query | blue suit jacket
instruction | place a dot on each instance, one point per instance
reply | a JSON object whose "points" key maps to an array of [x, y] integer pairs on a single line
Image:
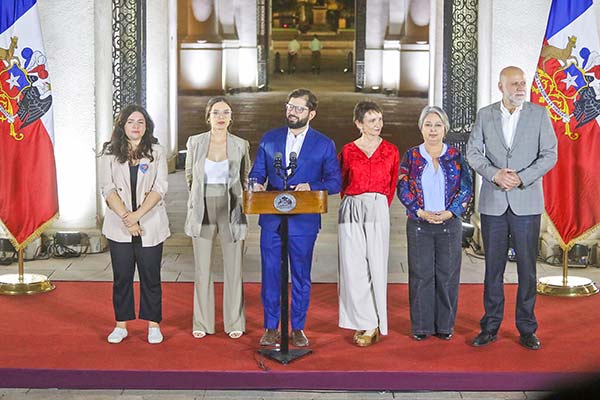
{"points": [[317, 165]]}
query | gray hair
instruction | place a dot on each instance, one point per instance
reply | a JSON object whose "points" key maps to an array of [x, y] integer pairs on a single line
{"points": [[434, 110]]}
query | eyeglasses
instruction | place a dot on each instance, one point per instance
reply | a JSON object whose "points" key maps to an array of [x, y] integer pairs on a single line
{"points": [[226, 113], [298, 109]]}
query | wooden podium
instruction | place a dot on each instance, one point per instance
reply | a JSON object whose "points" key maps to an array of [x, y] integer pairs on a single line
{"points": [[285, 203]]}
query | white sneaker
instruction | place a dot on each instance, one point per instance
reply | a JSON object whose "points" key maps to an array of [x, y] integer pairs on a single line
{"points": [[154, 335], [117, 335]]}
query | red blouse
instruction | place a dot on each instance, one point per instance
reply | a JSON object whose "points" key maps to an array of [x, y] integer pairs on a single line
{"points": [[375, 174]]}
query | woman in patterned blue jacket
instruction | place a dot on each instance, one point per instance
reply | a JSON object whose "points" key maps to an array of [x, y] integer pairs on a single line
{"points": [[435, 188]]}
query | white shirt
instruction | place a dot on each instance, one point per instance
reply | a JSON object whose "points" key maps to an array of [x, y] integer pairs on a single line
{"points": [[315, 45], [216, 171], [294, 143], [293, 46], [509, 122]]}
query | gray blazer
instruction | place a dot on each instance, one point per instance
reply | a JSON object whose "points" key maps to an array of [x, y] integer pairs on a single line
{"points": [[533, 153], [152, 177], [238, 154]]}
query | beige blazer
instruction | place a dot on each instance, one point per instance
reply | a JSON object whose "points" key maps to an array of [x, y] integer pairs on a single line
{"points": [[114, 177], [238, 154]]}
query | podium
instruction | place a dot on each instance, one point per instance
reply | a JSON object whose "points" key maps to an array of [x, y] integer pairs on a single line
{"points": [[285, 203]]}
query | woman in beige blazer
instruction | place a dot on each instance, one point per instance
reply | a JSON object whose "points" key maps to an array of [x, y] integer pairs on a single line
{"points": [[133, 180], [216, 168]]}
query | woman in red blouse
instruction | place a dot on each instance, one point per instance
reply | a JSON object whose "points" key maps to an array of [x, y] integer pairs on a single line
{"points": [[369, 175]]}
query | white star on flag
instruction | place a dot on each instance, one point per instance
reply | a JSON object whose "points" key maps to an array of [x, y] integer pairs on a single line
{"points": [[13, 81], [570, 80]]}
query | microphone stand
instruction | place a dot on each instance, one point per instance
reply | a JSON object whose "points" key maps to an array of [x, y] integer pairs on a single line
{"points": [[283, 354]]}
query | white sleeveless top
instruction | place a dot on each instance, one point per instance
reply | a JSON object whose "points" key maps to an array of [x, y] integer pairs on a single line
{"points": [[216, 171]]}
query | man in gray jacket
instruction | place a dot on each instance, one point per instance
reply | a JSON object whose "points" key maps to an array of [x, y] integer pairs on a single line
{"points": [[512, 146]]}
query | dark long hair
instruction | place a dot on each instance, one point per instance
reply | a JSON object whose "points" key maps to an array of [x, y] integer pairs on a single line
{"points": [[118, 145]]}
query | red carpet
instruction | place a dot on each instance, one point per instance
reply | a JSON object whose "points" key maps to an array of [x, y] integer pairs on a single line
{"points": [[59, 340]]}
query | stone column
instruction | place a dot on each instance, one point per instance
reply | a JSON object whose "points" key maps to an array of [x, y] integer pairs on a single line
{"points": [[377, 19], [160, 17], [74, 64]]}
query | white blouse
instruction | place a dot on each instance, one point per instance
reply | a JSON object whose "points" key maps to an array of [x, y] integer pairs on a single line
{"points": [[216, 172]]}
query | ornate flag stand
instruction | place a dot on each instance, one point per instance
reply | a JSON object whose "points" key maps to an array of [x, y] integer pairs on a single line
{"points": [[567, 83], [565, 285], [21, 283], [28, 188]]}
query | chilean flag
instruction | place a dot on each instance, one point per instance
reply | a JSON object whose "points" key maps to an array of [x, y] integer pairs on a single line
{"points": [[567, 83], [28, 192]]}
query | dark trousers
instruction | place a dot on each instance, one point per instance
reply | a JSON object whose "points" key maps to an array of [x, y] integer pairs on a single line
{"points": [[525, 232], [434, 258], [300, 252], [124, 257], [315, 61], [292, 62]]}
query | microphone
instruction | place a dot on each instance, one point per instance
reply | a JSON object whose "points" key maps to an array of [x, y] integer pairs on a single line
{"points": [[277, 162], [293, 163]]}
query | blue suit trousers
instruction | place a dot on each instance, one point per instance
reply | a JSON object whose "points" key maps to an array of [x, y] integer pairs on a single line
{"points": [[300, 252]]}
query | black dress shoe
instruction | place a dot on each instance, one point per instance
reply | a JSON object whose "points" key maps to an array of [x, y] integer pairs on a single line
{"points": [[530, 341], [443, 336], [419, 336], [484, 338]]}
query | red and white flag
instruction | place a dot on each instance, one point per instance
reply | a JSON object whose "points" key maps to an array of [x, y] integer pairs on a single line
{"points": [[567, 83], [28, 193]]}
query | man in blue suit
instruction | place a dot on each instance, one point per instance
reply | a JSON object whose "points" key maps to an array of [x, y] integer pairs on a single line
{"points": [[317, 169]]}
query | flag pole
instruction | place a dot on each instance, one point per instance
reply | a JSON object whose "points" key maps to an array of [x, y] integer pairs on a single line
{"points": [[22, 283], [565, 286]]}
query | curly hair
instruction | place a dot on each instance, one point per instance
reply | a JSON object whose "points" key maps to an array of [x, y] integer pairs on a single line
{"points": [[118, 145]]}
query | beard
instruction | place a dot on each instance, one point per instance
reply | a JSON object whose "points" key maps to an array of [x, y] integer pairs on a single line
{"points": [[516, 100], [299, 122]]}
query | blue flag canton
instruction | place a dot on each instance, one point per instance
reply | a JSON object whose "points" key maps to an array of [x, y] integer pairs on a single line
{"points": [[11, 11], [563, 12]]}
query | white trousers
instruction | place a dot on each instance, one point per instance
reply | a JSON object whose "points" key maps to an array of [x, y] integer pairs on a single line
{"points": [[363, 242]]}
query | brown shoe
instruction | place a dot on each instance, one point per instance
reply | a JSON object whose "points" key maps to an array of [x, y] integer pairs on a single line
{"points": [[299, 339], [271, 337]]}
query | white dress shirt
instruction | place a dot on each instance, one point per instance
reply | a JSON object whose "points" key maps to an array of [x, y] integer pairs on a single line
{"points": [[509, 123], [294, 143]]}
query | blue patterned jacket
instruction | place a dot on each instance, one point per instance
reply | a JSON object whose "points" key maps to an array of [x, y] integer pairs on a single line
{"points": [[457, 177]]}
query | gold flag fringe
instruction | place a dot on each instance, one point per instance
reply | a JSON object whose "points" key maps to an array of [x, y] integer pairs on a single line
{"points": [[37, 233], [567, 246]]}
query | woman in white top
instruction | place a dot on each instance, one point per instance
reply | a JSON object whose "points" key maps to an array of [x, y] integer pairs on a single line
{"points": [[216, 167]]}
